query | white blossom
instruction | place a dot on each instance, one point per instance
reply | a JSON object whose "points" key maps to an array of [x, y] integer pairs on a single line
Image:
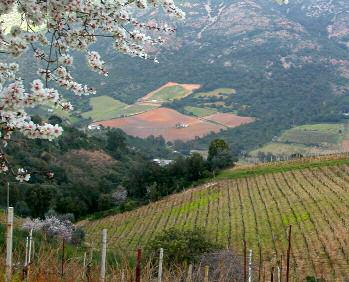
{"points": [[22, 175], [51, 226]]}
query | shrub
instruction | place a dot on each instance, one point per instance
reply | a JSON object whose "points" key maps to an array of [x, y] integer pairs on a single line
{"points": [[181, 246]]}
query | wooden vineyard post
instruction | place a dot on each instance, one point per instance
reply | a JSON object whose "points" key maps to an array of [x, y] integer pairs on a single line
{"points": [[24, 271], [250, 267], [272, 274], [161, 257], [84, 266], [206, 273], [260, 263], [190, 273], [288, 254], [281, 268], [138, 266], [245, 262], [9, 234], [279, 274], [88, 266], [62, 260], [103, 255], [26, 255], [263, 273], [30, 252]]}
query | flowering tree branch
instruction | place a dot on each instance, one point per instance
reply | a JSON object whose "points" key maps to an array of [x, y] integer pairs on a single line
{"points": [[52, 29]]}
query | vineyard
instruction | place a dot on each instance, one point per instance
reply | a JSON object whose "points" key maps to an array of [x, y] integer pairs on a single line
{"points": [[258, 209]]}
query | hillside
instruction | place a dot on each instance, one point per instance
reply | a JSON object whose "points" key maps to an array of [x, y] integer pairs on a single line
{"points": [[256, 204], [288, 66]]}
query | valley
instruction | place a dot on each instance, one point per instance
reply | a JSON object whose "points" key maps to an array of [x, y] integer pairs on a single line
{"points": [[149, 117]]}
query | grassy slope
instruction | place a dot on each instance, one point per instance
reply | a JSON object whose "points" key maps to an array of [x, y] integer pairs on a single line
{"points": [[282, 167], [256, 204], [170, 93], [104, 107], [314, 134], [136, 109], [312, 138], [200, 112], [216, 92]]}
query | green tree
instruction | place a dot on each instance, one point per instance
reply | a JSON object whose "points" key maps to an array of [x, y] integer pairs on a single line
{"points": [[195, 167], [38, 199], [216, 147], [219, 155], [116, 140]]}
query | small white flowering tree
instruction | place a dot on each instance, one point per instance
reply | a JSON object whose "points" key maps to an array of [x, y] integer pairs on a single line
{"points": [[51, 226], [51, 30]]}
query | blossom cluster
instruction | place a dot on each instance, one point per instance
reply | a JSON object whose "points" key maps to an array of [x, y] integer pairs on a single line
{"points": [[52, 30], [51, 226]]}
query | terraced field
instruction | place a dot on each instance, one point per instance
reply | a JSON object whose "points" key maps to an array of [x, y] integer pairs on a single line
{"points": [[312, 197]]}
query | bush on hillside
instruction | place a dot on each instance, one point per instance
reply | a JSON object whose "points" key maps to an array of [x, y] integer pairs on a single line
{"points": [[181, 246]]}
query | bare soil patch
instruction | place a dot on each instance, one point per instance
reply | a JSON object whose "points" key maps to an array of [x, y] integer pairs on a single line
{"points": [[164, 121]]}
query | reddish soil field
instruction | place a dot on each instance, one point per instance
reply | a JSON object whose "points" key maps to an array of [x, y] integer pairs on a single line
{"points": [[229, 120], [162, 121]]}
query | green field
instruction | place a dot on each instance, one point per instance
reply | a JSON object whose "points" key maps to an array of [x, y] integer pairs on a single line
{"points": [[306, 139], [315, 134], [199, 112], [103, 108], [170, 93], [223, 92], [311, 195], [135, 109]]}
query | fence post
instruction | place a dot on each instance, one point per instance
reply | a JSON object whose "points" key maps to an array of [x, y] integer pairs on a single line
{"points": [[33, 249], [206, 273], [138, 266], [25, 265], [160, 264], [123, 276], [250, 267], [260, 263], [26, 251], [9, 234], [62, 261], [245, 262], [28, 255], [279, 274], [281, 268], [272, 274], [288, 254], [30, 246], [103, 255], [190, 273]]}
